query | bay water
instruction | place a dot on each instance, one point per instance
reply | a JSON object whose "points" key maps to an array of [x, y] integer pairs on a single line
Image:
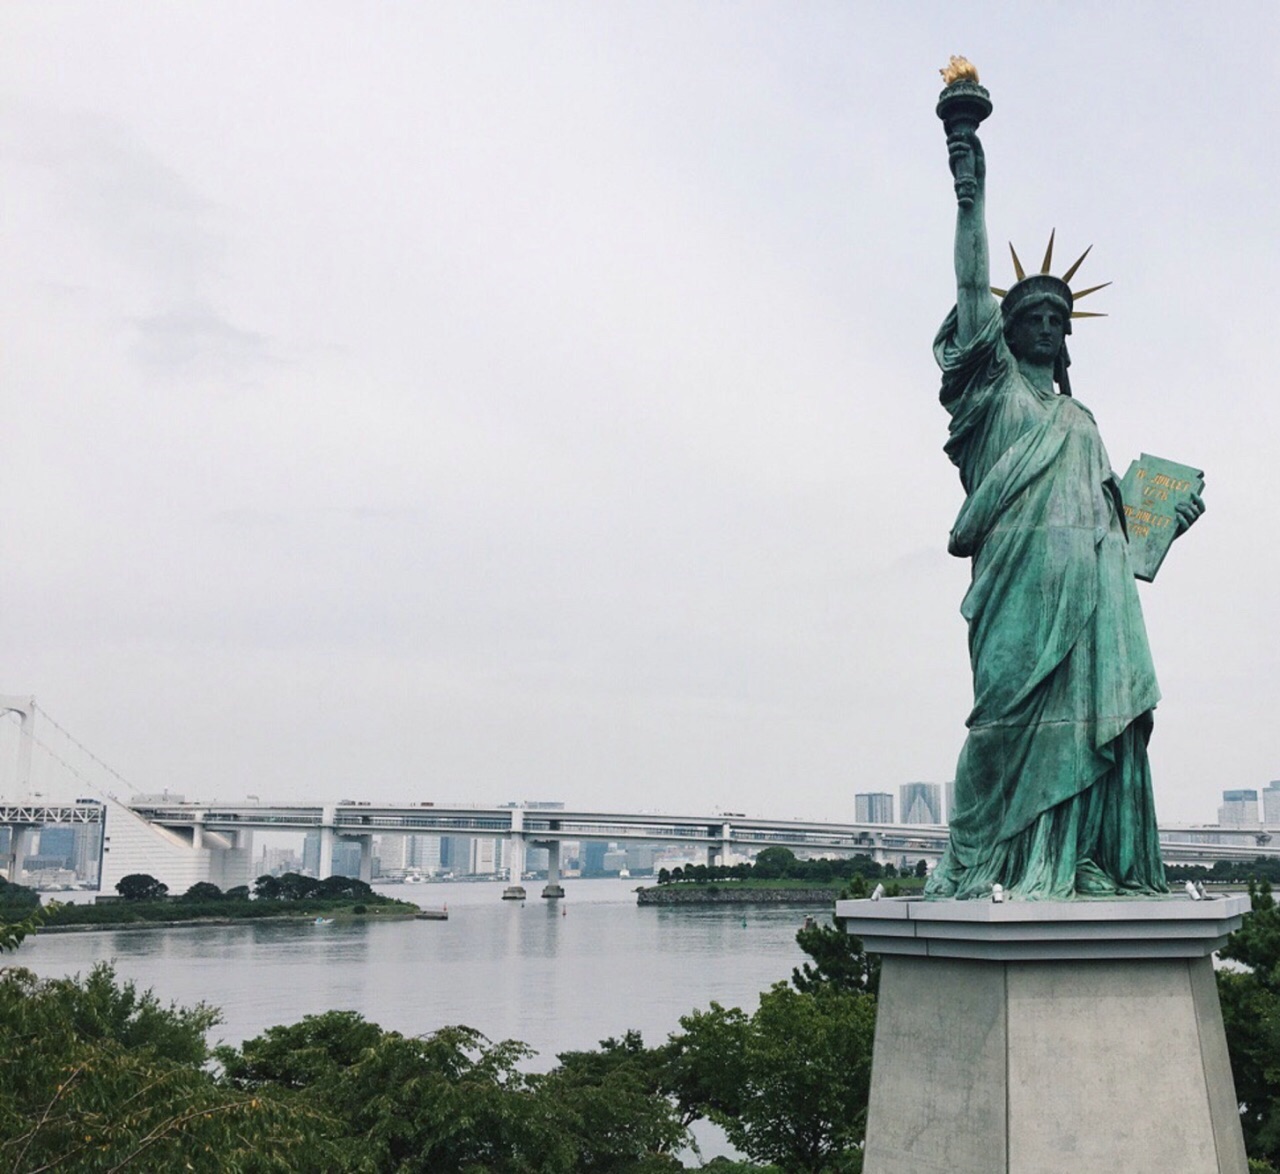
{"points": [[559, 975]]}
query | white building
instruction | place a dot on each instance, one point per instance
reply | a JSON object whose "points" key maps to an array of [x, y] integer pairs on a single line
{"points": [[177, 858], [921, 803], [1239, 809], [1271, 804]]}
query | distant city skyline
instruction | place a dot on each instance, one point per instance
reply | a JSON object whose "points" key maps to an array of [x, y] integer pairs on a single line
{"points": [[461, 401]]}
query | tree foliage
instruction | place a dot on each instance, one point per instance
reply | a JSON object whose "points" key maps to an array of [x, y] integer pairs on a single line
{"points": [[839, 960], [97, 1077], [778, 863], [456, 1101], [293, 886], [1251, 1016], [138, 886], [789, 1084], [20, 914]]}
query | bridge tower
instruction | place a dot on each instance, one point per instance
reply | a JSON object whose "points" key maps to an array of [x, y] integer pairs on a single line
{"points": [[25, 708], [20, 834]]}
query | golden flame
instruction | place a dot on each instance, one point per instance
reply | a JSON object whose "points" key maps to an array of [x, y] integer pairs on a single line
{"points": [[959, 69]]}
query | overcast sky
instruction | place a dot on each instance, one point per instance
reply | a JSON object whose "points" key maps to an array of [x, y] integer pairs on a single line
{"points": [[499, 401]]}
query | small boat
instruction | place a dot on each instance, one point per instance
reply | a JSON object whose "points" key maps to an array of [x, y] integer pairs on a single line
{"points": [[324, 921], [432, 914]]}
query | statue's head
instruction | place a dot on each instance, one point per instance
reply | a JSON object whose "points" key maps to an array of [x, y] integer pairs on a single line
{"points": [[1037, 329], [1037, 311], [1037, 322], [1038, 296]]}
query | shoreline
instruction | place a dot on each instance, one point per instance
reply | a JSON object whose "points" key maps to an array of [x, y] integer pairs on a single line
{"points": [[727, 895], [330, 915]]}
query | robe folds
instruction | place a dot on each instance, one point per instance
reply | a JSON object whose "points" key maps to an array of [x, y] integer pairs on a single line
{"points": [[1053, 788]]}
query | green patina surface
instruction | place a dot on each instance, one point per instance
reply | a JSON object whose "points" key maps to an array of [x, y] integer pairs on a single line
{"points": [[1053, 787]]}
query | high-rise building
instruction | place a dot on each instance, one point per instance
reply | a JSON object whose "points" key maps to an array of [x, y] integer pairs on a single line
{"points": [[390, 851], [455, 855], [921, 803], [591, 857], [486, 855], [536, 859], [615, 860], [873, 807], [640, 858], [86, 856], [1271, 804], [57, 842], [276, 861], [950, 790], [311, 853], [346, 858], [1239, 809], [425, 853]]}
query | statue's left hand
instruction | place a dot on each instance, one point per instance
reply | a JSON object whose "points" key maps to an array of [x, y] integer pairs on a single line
{"points": [[1188, 511]]}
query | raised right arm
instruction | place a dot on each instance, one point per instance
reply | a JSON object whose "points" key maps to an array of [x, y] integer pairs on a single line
{"points": [[974, 302]]}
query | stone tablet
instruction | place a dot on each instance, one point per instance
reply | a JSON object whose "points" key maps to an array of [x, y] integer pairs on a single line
{"points": [[1151, 490]]}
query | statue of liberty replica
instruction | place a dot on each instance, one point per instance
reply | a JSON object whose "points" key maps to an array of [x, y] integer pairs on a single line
{"points": [[1053, 789], [1075, 1026]]}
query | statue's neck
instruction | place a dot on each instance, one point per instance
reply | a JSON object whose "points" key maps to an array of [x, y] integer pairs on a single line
{"points": [[1039, 375]]}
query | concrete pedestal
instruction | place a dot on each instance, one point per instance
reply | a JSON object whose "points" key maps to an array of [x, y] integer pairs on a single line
{"points": [[553, 892], [1046, 1037], [514, 893]]}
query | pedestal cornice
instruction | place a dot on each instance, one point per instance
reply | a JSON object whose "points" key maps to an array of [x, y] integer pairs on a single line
{"points": [[1037, 931]]}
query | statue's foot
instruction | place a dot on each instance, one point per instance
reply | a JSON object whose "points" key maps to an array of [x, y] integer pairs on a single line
{"points": [[1091, 881]]}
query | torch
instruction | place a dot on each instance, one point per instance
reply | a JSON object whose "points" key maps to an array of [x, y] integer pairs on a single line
{"points": [[962, 106]]}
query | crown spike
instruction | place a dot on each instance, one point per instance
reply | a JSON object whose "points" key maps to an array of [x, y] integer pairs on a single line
{"points": [[1084, 293], [1017, 265], [1086, 314], [1070, 273], [1048, 253], [999, 292]]}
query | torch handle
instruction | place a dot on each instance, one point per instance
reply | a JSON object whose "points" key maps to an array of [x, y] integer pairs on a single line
{"points": [[962, 107], [965, 168]]}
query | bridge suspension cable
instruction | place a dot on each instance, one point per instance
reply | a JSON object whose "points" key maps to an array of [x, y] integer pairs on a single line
{"points": [[115, 774]]}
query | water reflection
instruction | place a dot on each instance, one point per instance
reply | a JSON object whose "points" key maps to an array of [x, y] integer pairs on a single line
{"points": [[558, 977]]}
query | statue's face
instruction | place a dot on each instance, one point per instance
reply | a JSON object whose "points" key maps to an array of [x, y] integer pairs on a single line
{"points": [[1037, 332]]}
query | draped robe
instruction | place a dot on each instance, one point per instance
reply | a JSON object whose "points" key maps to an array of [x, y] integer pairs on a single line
{"points": [[1053, 787]]}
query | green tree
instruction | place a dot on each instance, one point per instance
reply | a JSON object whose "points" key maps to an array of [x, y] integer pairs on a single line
{"points": [[455, 1101], [203, 891], [267, 888], [790, 1084], [1251, 1015], [20, 914], [14, 933], [300, 1055], [922, 868], [338, 887], [704, 1063], [615, 1101], [839, 960], [775, 863], [97, 1077], [138, 886]]}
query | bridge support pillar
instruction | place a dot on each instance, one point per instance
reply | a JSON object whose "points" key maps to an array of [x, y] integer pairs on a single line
{"points": [[553, 887], [197, 830], [366, 858], [324, 868], [515, 868], [19, 850]]}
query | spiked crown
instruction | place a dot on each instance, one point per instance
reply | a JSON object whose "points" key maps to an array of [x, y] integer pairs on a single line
{"points": [[1038, 287]]}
